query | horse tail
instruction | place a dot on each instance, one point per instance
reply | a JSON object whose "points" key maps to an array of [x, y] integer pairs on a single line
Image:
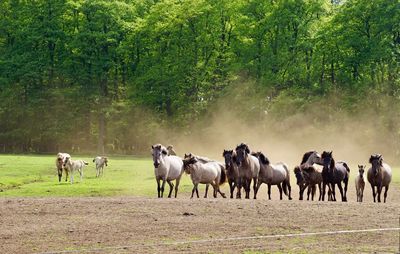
{"points": [[93, 160], [286, 182], [347, 167], [285, 187], [222, 179]]}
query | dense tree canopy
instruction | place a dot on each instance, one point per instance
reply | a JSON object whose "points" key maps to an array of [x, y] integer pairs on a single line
{"points": [[101, 74]]}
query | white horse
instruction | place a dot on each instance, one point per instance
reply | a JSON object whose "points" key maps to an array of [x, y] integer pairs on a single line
{"points": [[205, 172], [100, 162], [166, 169], [72, 166], [273, 174], [60, 160]]}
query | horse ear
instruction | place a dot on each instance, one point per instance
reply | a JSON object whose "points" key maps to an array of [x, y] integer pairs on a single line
{"points": [[152, 147], [247, 149], [331, 153]]}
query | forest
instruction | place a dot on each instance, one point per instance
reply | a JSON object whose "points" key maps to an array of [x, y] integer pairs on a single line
{"points": [[107, 75]]}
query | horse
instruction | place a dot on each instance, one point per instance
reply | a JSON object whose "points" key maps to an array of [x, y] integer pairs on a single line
{"points": [[72, 166], [167, 168], [248, 167], [333, 174], [100, 162], [60, 160], [308, 176], [270, 174], [232, 171], [360, 183], [379, 175], [211, 172], [171, 150]]}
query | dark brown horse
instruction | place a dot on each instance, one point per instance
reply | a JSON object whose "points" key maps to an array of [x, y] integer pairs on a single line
{"points": [[379, 175], [249, 168], [333, 174], [232, 171]]}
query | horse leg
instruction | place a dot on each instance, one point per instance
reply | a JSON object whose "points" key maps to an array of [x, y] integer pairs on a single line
{"points": [[231, 187], [247, 188], [176, 186], [289, 188], [333, 192], [373, 192], [269, 191], [323, 191], [341, 192], [59, 174], [193, 190], [379, 192], [205, 194], [66, 174], [171, 187], [197, 190], [308, 192], [258, 185], [280, 191], [162, 187], [320, 191], [346, 182], [301, 190], [239, 188], [255, 182], [81, 173], [72, 177], [385, 195], [158, 188]]}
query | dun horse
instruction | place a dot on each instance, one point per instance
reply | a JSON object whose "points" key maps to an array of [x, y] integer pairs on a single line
{"points": [[249, 168], [167, 168], [232, 171], [211, 172], [308, 176], [360, 183], [270, 174], [333, 174], [379, 175]]}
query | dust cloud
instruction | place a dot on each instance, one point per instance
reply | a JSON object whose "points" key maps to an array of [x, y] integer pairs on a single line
{"points": [[352, 137]]}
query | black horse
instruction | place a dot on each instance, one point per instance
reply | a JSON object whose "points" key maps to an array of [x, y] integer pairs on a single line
{"points": [[334, 173]]}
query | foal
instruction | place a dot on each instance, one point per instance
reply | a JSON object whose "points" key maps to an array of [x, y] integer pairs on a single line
{"points": [[360, 183]]}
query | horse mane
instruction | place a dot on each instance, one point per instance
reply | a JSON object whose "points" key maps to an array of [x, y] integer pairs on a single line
{"points": [[296, 170], [263, 158], [306, 156], [244, 147]]}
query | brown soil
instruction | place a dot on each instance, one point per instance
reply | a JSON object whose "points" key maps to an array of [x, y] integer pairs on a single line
{"points": [[150, 225]]}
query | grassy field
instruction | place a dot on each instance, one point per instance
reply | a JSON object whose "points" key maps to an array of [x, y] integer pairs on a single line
{"points": [[34, 175]]}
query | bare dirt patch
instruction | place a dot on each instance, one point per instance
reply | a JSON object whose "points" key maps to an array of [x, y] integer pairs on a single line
{"points": [[150, 225]]}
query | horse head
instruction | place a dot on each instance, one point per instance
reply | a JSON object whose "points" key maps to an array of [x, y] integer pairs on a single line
{"points": [[299, 175], [327, 160], [188, 160], [105, 161], [377, 162], [228, 156], [242, 151], [361, 169], [158, 151]]}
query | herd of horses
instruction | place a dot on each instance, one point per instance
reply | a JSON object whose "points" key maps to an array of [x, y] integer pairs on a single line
{"points": [[64, 163], [242, 167]]}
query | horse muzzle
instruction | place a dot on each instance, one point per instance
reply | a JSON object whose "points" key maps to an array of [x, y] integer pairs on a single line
{"points": [[156, 164]]}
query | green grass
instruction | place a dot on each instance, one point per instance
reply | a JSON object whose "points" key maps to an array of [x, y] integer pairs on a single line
{"points": [[31, 175]]}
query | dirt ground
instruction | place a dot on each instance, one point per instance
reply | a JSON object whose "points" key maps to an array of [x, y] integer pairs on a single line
{"points": [[151, 225]]}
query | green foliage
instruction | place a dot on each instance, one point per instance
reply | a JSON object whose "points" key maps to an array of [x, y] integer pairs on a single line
{"points": [[112, 72]]}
